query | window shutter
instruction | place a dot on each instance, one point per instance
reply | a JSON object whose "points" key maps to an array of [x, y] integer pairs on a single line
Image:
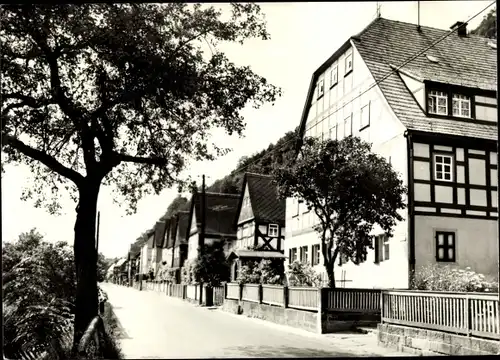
{"points": [[377, 250]]}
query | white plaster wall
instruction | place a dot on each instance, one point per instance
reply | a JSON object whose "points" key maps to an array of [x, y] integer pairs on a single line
{"points": [[386, 134], [476, 242]]}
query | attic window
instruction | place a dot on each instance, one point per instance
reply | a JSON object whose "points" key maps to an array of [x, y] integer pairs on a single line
{"points": [[432, 58], [321, 88]]}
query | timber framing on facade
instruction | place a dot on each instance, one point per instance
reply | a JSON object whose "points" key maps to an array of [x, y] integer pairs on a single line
{"points": [[435, 120]]}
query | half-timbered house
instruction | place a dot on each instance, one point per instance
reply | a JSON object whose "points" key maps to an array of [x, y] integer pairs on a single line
{"points": [[260, 223], [157, 251], [426, 100]]}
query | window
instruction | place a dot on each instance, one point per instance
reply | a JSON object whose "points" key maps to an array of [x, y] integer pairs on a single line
{"points": [[334, 76], [445, 246], [381, 248], [348, 64], [246, 201], [316, 254], [365, 117], [272, 230], [438, 102], [321, 88], [442, 167], [292, 254], [333, 132], [461, 106], [303, 254], [348, 126]]}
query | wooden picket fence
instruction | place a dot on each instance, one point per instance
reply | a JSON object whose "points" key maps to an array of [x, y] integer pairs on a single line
{"points": [[470, 314]]}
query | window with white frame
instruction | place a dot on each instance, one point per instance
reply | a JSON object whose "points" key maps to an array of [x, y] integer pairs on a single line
{"points": [[445, 246], [348, 64], [437, 102], [443, 167], [348, 126], [321, 88], [334, 76], [365, 117], [461, 105], [292, 256], [272, 230]]}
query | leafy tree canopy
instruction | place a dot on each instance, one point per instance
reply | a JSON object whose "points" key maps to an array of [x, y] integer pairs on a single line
{"points": [[488, 26], [211, 266], [350, 189]]}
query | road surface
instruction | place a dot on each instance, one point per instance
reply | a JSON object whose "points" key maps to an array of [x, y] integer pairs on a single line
{"points": [[158, 326]]}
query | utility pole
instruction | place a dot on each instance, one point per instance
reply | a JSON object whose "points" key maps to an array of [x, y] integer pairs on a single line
{"points": [[97, 232], [418, 15], [203, 212]]}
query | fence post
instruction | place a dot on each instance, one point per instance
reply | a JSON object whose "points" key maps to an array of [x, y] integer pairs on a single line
{"points": [[184, 290], [225, 290], [241, 292], [382, 307], [261, 292], [321, 320], [285, 296], [468, 314], [200, 295]]}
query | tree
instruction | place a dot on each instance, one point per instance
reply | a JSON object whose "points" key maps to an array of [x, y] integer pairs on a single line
{"points": [[488, 26], [350, 189], [86, 101], [178, 204], [211, 266]]}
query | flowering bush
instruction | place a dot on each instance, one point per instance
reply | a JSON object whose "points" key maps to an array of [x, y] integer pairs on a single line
{"points": [[187, 273], [446, 278], [264, 272], [300, 274]]}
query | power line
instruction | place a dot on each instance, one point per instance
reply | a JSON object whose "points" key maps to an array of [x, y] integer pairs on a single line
{"points": [[385, 77]]}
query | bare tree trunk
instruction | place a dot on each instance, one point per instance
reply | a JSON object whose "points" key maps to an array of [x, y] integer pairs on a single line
{"points": [[331, 274], [85, 259]]}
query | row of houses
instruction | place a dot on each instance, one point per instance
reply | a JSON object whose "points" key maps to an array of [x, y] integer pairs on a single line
{"points": [[433, 118]]}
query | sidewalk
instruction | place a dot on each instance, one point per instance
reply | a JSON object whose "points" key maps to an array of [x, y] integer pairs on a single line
{"points": [[359, 344]]}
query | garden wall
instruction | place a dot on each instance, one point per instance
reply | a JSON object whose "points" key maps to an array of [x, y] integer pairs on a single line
{"points": [[429, 342]]}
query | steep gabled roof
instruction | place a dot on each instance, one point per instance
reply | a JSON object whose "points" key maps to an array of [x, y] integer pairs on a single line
{"points": [[266, 205], [182, 227], [462, 60], [385, 45], [221, 212], [166, 235], [159, 234]]}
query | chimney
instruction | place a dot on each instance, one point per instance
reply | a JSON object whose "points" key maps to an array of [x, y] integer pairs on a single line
{"points": [[462, 28]]}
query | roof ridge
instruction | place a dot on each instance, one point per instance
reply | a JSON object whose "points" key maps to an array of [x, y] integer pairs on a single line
{"points": [[259, 175], [219, 194]]}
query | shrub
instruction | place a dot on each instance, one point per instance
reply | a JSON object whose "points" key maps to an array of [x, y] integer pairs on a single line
{"points": [[437, 277], [300, 274], [187, 273], [262, 272], [211, 266]]}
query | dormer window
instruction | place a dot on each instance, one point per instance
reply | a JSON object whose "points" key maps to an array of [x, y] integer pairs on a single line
{"points": [[438, 102], [321, 88], [461, 106]]}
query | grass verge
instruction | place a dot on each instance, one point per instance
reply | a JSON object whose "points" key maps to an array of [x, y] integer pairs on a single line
{"points": [[114, 332]]}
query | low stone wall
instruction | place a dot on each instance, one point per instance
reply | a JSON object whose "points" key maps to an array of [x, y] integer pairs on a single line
{"points": [[430, 342], [306, 320]]}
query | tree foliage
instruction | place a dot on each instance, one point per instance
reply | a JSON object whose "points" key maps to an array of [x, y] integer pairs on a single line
{"points": [[211, 266], [39, 286], [85, 101], [488, 26], [350, 189]]}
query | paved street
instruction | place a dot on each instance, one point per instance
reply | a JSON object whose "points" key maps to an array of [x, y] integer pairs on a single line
{"points": [[158, 326]]}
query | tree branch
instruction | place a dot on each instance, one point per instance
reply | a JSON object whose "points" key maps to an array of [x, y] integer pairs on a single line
{"points": [[42, 157], [143, 160]]}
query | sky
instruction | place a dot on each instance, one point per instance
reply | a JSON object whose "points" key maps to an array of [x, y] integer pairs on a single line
{"points": [[303, 36]]}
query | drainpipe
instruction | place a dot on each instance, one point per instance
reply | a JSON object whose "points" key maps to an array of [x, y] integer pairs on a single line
{"points": [[411, 217]]}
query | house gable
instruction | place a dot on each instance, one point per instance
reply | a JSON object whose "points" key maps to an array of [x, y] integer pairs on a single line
{"points": [[246, 212]]}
